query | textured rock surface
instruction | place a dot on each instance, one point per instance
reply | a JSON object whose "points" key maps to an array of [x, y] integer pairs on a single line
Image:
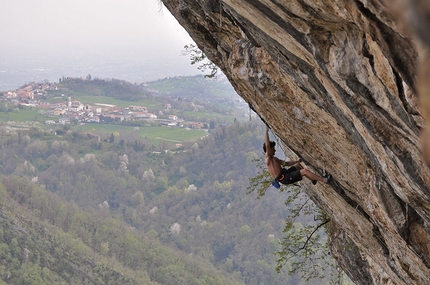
{"points": [[336, 81]]}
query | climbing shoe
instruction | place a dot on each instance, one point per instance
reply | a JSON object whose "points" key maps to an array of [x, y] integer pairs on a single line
{"points": [[314, 182], [328, 179]]}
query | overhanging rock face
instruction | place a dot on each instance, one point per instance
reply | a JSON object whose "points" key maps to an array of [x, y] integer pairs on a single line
{"points": [[336, 81]]}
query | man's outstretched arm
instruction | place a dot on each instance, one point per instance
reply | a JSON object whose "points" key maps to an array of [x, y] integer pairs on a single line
{"points": [[267, 139], [288, 163]]}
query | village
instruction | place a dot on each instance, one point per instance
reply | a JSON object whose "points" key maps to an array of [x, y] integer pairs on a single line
{"points": [[69, 110]]}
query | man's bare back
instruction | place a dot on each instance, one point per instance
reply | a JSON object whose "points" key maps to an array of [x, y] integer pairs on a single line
{"points": [[273, 165]]}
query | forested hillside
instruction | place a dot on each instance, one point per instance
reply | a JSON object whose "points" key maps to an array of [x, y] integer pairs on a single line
{"points": [[116, 88], [46, 241], [78, 211], [196, 87]]}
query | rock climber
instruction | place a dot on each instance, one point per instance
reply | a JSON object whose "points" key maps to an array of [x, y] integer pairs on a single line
{"points": [[286, 176]]}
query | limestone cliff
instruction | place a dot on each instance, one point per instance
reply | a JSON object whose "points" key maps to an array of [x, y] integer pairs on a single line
{"points": [[336, 81]]}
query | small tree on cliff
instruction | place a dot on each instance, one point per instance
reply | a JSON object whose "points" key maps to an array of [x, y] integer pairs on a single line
{"points": [[198, 57]]}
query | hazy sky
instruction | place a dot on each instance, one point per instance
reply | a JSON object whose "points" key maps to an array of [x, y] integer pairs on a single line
{"points": [[133, 40]]}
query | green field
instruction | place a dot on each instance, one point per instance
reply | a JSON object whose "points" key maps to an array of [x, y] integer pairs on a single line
{"points": [[155, 135], [24, 115], [151, 104], [148, 103], [208, 116]]}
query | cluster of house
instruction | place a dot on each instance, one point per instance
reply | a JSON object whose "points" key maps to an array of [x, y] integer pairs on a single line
{"points": [[29, 92], [77, 111]]}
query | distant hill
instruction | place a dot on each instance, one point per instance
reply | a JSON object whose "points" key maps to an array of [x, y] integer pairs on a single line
{"points": [[195, 87], [116, 88], [191, 87]]}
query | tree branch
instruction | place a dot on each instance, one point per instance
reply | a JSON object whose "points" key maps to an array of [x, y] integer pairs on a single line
{"points": [[307, 240]]}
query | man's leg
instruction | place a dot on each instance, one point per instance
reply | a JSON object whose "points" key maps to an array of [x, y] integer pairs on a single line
{"points": [[298, 166], [309, 175]]}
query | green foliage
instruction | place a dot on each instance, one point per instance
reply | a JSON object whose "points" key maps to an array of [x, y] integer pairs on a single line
{"points": [[304, 249], [198, 57], [91, 247], [305, 244], [260, 182], [6, 107]]}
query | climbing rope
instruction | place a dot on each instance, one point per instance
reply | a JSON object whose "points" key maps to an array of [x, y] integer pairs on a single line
{"points": [[347, 171], [280, 145], [220, 13], [406, 224]]}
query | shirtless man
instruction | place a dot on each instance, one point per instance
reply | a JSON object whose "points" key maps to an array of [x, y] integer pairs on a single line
{"points": [[286, 176]]}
